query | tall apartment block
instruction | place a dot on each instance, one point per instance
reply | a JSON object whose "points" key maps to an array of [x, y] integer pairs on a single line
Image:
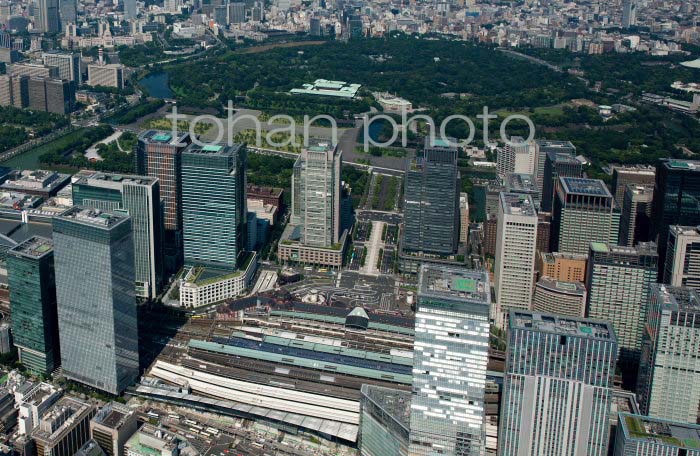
{"points": [[140, 197], [68, 64], [641, 175], [30, 271], [431, 202], [106, 75], [64, 428], [668, 384], [677, 186], [542, 148], [112, 426], [384, 421], [14, 91], [584, 212], [94, 258], [618, 281], [567, 299], [682, 263], [518, 157], [558, 386], [449, 370], [556, 165], [214, 204], [635, 220], [639, 435], [516, 247], [159, 154]]}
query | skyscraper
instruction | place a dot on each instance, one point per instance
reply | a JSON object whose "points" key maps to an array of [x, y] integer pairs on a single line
{"points": [[236, 12], [682, 263], [668, 383], [518, 157], [30, 272], [68, 64], [557, 387], [129, 9], [159, 154], [516, 247], [384, 420], [449, 369], [140, 197], [316, 195], [68, 12], [542, 148], [635, 220], [431, 201], [629, 13], [676, 195], [618, 282], [47, 17], [637, 175], [214, 204], [94, 257], [556, 165], [584, 212]]}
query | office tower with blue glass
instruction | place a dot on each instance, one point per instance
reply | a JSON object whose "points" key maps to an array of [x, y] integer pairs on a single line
{"points": [[431, 201], [676, 195], [668, 383], [30, 275], [139, 196], [94, 259], [214, 205], [584, 212], [449, 364], [618, 280], [557, 387], [384, 421]]}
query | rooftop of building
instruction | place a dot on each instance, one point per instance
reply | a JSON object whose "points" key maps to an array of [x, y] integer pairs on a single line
{"points": [[555, 143], [394, 402], [551, 257], [567, 326], [647, 170], [18, 201], [218, 150], [258, 190], [112, 415], [562, 287], [521, 182], [454, 283], [164, 137], [110, 180], [59, 419], [585, 187], [642, 248], [640, 190], [34, 247], [93, 217], [36, 180], [680, 165], [144, 440], [680, 435], [517, 204], [562, 157], [677, 298], [685, 230], [439, 143]]}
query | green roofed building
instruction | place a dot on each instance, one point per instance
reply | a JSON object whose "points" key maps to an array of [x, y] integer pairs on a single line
{"points": [[30, 270], [646, 436]]}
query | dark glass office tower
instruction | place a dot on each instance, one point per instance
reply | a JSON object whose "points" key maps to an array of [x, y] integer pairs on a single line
{"points": [[32, 284], [556, 165], [431, 201], [676, 198]]}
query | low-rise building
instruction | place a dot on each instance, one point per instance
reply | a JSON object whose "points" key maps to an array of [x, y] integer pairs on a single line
{"points": [[646, 436], [64, 429], [560, 298], [200, 286], [37, 182]]}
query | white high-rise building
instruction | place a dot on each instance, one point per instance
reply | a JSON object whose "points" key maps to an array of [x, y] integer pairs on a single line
{"points": [[682, 262], [450, 357], [518, 158], [516, 246], [668, 384], [557, 389]]}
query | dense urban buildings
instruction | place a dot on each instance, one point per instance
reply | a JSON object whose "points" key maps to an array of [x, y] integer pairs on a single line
{"points": [[31, 278], [431, 201], [668, 382], [516, 242], [544, 147], [517, 157], [584, 212], [98, 330], [450, 357], [112, 426], [558, 383], [140, 197], [635, 220], [562, 266], [553, 296], [682, 263], [618, 281], [630, 175], [556, 165]]}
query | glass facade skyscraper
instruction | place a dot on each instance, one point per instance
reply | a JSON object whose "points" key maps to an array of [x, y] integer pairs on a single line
{"points": [[214, 204], [449, 364], [30, 271], [558, 385], [431, 201], [384, 421], [94, 257], [140, 197], [676, 198]]}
